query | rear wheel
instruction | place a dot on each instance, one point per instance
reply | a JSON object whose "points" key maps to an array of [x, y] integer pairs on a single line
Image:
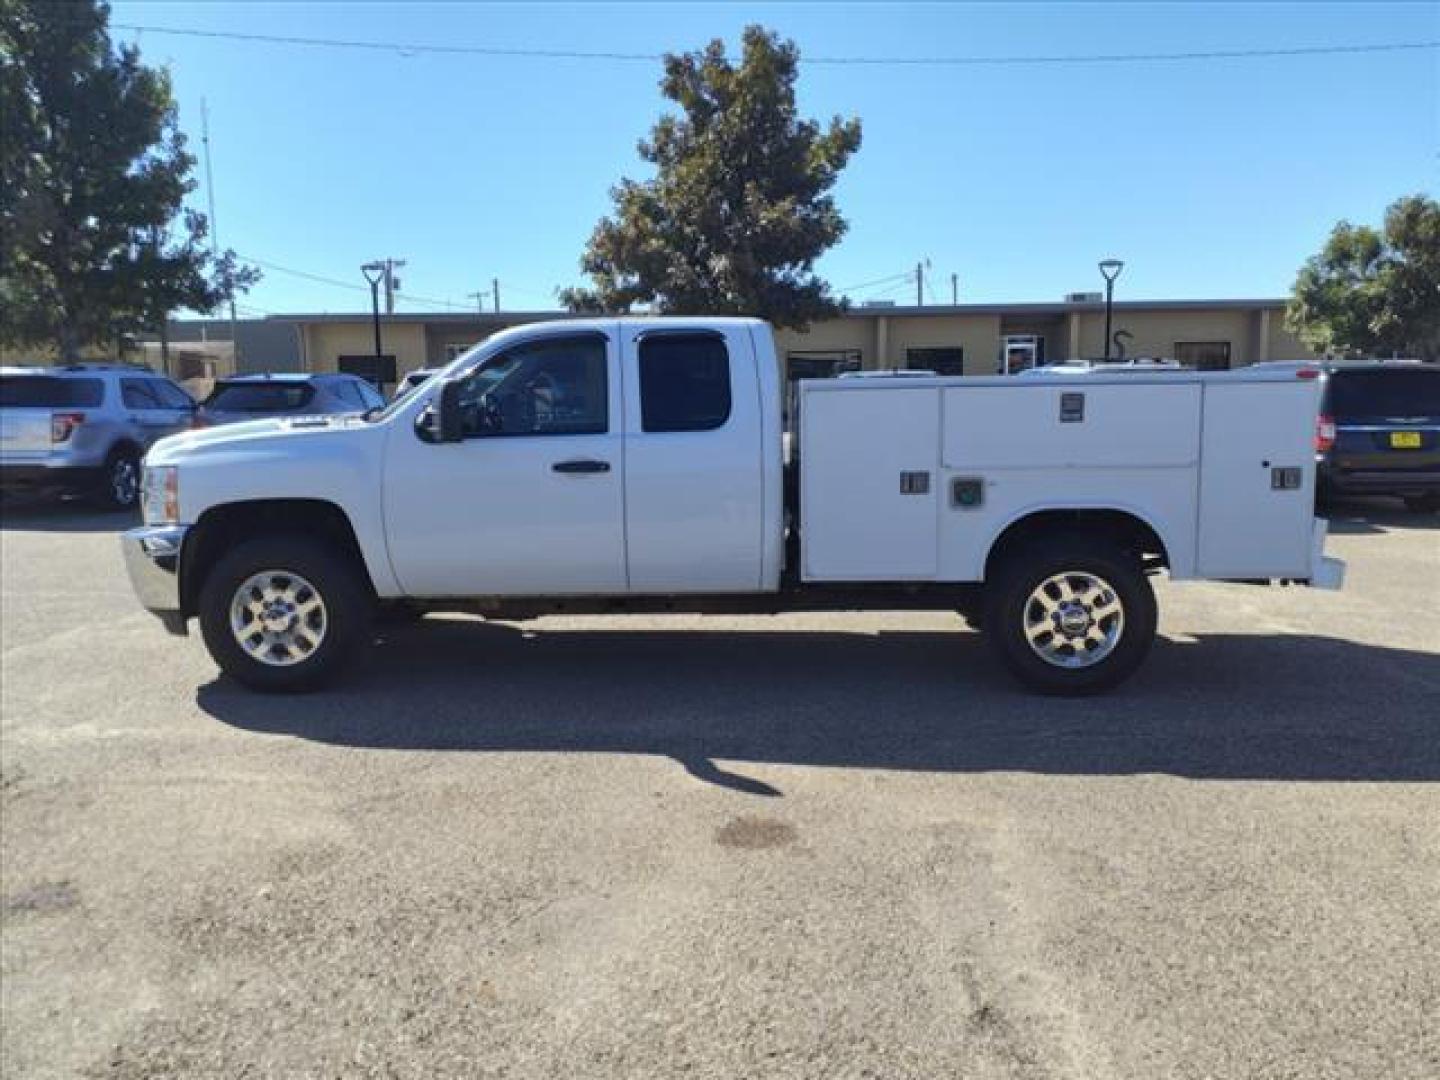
{"points": [[1071, 617], [282, 613], [120, 486], [1422, 504]]}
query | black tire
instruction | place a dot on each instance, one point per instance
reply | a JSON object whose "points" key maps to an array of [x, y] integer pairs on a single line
{"points": [[971, 610], [1422, 504], [1010, 601], [120, 486], [348, 609]]}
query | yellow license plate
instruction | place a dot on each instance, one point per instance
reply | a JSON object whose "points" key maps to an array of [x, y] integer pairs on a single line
{"points": [[1405, 440]]}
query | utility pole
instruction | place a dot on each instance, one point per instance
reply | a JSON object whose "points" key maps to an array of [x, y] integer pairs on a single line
{"points": [[392, 283], [479, 300], [919, 284], [214, 229], [495, 290], [954, 290]]}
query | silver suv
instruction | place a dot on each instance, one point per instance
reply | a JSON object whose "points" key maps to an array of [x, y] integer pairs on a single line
{"points": [[83, 429]]}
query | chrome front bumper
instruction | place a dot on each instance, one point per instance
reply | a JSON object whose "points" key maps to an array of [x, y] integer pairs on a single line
{"points": [[152, 559]]}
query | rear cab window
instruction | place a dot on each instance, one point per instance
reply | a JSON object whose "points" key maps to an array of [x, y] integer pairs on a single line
{"points": [[1383, 393], [50, 392], [260, 397], [684, 382]]}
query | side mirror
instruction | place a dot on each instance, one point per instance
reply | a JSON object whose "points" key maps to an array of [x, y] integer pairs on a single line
{"points": [[439, 421], [452, 428]]}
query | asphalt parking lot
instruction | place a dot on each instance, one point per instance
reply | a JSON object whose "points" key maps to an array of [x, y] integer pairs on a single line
{"points": [[830, 846]]}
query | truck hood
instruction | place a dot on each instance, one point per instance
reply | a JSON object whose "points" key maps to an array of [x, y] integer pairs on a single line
{"points": [[272, 433]]}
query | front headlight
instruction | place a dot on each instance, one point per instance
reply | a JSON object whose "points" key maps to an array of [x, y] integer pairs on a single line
{"points": [[160, 495]]}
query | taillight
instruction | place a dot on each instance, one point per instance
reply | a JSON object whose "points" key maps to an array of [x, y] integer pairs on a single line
{"points": [[1324, 433], [63, 425]]}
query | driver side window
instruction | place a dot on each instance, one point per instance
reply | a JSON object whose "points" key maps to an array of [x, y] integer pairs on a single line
{"points": [[555, 386]]}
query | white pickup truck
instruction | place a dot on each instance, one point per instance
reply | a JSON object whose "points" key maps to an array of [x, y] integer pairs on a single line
{"points": [[641, 465]]}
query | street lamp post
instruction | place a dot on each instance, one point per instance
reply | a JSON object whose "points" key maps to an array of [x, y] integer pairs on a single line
{"points": [[375, 273], [1110, 270]]}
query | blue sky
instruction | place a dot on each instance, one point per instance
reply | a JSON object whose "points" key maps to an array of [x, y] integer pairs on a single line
{"points": [[1211, 179]]}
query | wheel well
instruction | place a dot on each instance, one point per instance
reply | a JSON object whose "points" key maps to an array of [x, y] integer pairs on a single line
{"points": [[222, 527], [1117, 526], [125, 446]]}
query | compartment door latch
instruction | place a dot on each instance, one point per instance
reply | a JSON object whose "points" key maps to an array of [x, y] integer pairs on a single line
{"points": [[1285, 478], [914, 483]]}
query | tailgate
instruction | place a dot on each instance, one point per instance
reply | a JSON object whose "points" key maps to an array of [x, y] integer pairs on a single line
{"points": [[24, 434], [1389, 444]]}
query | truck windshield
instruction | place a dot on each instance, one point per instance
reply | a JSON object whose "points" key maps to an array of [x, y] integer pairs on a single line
{"points": [[48, 392], [260, 397]]}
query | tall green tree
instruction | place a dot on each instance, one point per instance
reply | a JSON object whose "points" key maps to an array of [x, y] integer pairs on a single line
{"points": [[95, 241], [1374, 291], [739, 207]]}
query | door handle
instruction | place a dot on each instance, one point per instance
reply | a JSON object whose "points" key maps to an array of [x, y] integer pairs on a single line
{"points": [[582, 465]]}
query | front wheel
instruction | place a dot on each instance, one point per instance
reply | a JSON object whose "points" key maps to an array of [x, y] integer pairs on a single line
{"points": [[1071, 617], [284, 614], [120, 485]]}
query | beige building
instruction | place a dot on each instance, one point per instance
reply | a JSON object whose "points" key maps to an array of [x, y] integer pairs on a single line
{"points": [[969, 339]]}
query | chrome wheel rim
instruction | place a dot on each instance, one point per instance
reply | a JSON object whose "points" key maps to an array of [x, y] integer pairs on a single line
{"points": [[125, 481], [278, 618], [1074, 619]]}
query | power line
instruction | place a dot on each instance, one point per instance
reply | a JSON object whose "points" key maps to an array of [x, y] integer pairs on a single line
{"points": [[323, 280], [871, 61], [907, 275], [305, 274], [892, 290]]}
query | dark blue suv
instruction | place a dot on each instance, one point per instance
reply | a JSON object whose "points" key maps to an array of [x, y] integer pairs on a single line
{"points": [[1379, 432]]}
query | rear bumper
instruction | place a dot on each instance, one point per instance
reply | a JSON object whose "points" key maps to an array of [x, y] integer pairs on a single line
{"points": [[1339, 481], [1326, 572], [152, 559]]}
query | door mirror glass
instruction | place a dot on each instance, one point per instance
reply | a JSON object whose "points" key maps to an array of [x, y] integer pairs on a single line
{"points": [[439, 421]]}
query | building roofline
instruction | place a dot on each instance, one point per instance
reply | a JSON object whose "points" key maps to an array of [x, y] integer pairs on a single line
{"points": [[1062, 307], [858, 311]]}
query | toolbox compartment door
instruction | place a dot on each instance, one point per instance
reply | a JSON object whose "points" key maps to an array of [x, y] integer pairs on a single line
{"points": [[1254, 521], [1075, 424], [869, 483]]}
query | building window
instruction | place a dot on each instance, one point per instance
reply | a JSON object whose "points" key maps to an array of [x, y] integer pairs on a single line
{"points": [[684, 382], [378, 370], [941, 360], [1203, 355], [455, 348], [816, 364]]}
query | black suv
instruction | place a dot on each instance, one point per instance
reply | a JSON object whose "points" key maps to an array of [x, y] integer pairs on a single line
{"points": [[1379, 432]]}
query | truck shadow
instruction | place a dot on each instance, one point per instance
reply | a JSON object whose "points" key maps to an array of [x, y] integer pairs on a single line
{"points": [[1352, 516], [22, 514], [1225, 707]]}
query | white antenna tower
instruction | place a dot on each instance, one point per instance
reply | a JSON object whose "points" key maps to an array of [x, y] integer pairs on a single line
{"points": [[214, 230]]}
